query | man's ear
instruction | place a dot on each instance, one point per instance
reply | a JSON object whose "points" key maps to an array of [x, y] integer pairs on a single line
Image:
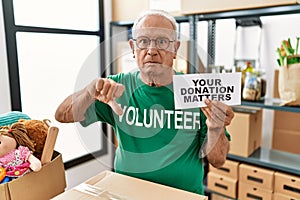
{"points": [[131, 43], [176, 47]]}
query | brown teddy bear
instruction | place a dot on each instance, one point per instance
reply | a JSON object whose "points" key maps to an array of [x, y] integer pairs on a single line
{"points": [[37, 131]]}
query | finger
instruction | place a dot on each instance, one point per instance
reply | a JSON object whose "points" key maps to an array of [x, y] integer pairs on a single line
{"points": [[230, 113], [105, 88], [99, 84], [218, 106], [115, 107], [215, 116], [214, 106], [227, 122], [218, 118], [111, 91], [229, 116], [119, 90], [206, 112], [116, 90], [208, 103]]}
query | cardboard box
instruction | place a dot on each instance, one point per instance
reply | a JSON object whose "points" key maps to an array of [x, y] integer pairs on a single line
{"points": [[203, 6], [128, 10], [286, 140], [222, 184], [215, 196], [288, 121], [248, 191], [287, 184], [109, 184], [246, 132], [256, 176], [278, 196], [286, 130], [42, 185], [229, 169], [276, 89]]}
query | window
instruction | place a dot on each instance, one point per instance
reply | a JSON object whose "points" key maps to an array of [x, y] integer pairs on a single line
{"points": [[54, 49]]}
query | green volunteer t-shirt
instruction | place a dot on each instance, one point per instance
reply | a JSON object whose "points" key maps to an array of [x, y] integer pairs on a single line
{"points": [[155, 141]]}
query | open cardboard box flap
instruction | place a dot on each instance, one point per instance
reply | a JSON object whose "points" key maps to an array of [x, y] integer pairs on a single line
{"points": [[125, 188]]}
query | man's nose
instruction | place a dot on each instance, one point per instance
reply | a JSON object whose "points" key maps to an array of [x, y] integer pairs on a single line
{"points": [[152, 44], [152, 49]]}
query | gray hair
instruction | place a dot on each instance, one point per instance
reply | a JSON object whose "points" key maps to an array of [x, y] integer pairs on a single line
{"points": [[147, 13]]}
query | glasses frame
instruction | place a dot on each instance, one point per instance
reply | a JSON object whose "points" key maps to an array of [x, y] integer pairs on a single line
{"points": [[155, 40]]}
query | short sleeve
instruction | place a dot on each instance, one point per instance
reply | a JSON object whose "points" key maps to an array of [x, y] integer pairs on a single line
{"points": [[98, 111]]}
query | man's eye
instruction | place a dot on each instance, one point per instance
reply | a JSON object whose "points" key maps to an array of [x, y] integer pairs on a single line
{"points": [[162, 41], [143, 41]]}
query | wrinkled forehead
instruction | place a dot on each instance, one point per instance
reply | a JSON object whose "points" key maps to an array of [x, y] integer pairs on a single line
{"points": [[154, 32]]}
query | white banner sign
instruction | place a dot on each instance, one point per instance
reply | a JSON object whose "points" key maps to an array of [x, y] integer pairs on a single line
{"points": [[191, 90]]}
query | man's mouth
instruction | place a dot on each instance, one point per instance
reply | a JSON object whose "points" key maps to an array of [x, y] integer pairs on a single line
{"points": [[152, 63]]}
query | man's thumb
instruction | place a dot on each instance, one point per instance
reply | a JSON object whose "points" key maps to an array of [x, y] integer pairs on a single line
{"points": [[115, 107]]}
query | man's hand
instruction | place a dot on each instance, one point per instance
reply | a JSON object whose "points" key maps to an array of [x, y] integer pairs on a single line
{"points": [[218, 114], [107, 91]]}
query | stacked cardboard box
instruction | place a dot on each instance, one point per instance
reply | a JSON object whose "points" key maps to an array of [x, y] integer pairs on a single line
{"points": [[286, 130], [246, 131], [223, 180], [255, 182], [286, 187], [265, 184], [242, 181]]}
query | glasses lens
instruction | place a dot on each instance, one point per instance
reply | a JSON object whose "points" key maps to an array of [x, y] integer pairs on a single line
{"points": [[142, 42], [162, 43]]}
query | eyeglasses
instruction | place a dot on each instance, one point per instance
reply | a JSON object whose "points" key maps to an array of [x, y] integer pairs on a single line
{"points": [[143, 42]]}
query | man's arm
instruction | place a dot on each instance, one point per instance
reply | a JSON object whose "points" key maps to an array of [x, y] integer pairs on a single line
{"points": [[218, 116], [73, 108], [217, 148]]}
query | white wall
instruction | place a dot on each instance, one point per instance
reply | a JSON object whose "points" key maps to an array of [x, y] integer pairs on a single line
{"points": [[4, 84]]}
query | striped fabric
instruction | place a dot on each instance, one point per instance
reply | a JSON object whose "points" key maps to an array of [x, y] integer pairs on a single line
{"points": [[9, 118]]}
